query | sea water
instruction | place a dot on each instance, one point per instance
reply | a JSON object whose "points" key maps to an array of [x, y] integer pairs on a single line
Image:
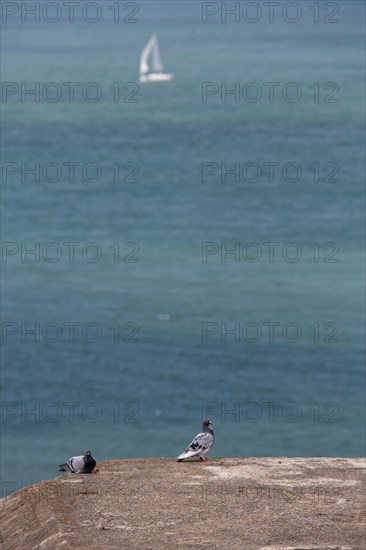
{"points": [[166, 287]]}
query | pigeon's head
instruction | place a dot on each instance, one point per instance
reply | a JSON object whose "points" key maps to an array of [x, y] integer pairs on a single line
{"points": [[87, 453], [207, 422]]}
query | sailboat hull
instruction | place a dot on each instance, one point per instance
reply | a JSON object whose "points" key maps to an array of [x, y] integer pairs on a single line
{"points": [[156, 77]]}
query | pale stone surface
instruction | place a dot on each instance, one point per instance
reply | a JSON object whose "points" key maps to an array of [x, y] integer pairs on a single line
{"points": [[224, 504]]}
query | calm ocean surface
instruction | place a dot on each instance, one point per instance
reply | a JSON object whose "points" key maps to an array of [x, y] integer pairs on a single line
{"points": [[148, 355]]}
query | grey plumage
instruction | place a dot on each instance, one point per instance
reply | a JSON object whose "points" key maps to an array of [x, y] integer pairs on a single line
{"points": [[201, 444], [79, 464]]}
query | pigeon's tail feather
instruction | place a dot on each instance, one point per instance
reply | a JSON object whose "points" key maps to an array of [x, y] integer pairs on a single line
{"points": [[186, 454], [64, 468]]}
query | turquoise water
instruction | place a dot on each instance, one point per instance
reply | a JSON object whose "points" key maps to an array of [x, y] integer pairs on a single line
{"points": [[144, 395]]}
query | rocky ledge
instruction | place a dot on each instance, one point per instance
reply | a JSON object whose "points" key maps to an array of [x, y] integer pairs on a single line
{"points": [[224, 504]]}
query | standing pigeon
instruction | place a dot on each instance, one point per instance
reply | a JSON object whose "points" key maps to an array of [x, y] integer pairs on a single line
{"points": [[79, 464], [201, 444]]}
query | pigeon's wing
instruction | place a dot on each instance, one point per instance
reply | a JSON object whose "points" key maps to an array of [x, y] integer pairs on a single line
{"points": [[76, 464], [201, 444]]}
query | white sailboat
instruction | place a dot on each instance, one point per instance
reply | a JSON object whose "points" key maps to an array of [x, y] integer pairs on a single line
{"points": [[156, 72]]}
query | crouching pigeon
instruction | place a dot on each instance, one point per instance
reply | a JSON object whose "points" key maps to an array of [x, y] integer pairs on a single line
{"points": [[201, 444], [79, 464]]}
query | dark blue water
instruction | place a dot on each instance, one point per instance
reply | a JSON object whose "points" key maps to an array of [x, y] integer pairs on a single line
{"points": [[155, 324]]}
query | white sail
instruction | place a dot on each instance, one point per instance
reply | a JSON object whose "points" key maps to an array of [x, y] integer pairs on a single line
{"points": [[156, 72], [145, 54], [156, 59]]}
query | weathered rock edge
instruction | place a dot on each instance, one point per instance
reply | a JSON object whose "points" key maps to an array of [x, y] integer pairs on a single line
{"points": [[225, 504]]}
